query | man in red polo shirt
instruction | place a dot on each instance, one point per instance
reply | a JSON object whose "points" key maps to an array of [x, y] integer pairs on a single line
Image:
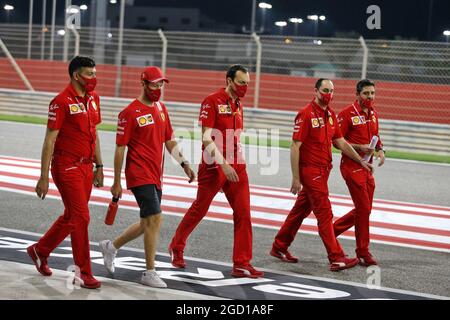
{"points": [[71, 145], [315, 129], [222, 168], [144, 127], [359, 124]]}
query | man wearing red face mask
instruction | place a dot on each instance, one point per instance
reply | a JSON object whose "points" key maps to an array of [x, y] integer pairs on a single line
{"points": [[315, 129], [144, 127], [222, 168], [359, 124], [72, 146]]}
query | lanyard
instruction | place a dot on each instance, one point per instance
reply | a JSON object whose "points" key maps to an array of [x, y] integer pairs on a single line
{"points": [[234, 113], [85, 103], [363, 121], [325, 124]]}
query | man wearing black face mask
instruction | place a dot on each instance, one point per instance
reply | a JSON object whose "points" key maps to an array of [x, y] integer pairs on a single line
{"points": [[72, 145], [222, 167], [359, 125], [144, 127]]}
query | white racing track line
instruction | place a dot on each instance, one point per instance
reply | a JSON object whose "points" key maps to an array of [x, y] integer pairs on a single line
{"points": [[355, 284], [403, 224]]}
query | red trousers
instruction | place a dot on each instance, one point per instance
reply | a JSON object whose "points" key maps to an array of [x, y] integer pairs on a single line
{"points": [[210, 181], [74, 183], [313, 196], [361, 185]]}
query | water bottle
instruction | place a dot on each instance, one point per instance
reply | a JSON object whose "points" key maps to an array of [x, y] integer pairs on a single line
{"points": [[112, 210]]}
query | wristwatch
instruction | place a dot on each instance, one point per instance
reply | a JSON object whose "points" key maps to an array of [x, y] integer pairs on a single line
{"points": [[183, 163], [98, 166]]}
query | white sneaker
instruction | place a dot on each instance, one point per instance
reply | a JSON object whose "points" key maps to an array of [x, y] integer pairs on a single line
{"points": [[108, 255], [151, 278]]}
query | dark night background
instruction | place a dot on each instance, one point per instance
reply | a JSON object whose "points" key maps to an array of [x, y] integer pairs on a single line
{"points": [[400, 19]]}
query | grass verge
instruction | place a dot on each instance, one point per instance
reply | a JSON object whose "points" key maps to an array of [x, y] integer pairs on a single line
{"points": [[247, 140]]}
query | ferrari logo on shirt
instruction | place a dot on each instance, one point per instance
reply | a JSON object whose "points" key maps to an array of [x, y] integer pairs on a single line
{"points": [[75, 108], [330, 120], [356, 120], [94, 105], [315, 122], [224, 109], [163, 117], [145, 120], [374, 119]]}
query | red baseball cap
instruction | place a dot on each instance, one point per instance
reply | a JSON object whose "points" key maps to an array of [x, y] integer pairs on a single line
{"points": [[153, 74]]}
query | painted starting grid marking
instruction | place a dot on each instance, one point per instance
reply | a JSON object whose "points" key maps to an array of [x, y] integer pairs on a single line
{"points": [[207, 277], [395, 223]]}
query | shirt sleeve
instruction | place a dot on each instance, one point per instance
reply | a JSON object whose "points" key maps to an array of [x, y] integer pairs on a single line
{"points": [[337, 130], [207, 117], [125, 127], [169, 130], [302, 126], [56, 114]]}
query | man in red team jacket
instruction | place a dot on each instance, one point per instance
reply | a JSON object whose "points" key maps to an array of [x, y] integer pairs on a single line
{"points": [[359, 123], [144, 127], [222, 168], [315, 129], [72, 146]]}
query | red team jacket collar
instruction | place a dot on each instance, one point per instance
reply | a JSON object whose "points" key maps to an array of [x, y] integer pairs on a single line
{"points": [[359, 108], [71, 91], [317, 108], [224, 94]]}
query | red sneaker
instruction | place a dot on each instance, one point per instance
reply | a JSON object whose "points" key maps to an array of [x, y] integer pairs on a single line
{"points": [[367, 260], [246, 271], [343, 263], [39, 261], [87, 282], [177, 258], [284, 256]]}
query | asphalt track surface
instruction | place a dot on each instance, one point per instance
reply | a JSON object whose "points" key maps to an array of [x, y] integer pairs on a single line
{"points": [[403, 268]]}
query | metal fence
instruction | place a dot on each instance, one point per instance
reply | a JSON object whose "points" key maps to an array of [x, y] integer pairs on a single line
{"points": [[413, 78]]}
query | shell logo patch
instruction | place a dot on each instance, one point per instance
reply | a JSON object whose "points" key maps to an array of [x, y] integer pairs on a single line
{"points": [[224, 109], [145, 120], [75, 108], [315, 122], [356, 120]]}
